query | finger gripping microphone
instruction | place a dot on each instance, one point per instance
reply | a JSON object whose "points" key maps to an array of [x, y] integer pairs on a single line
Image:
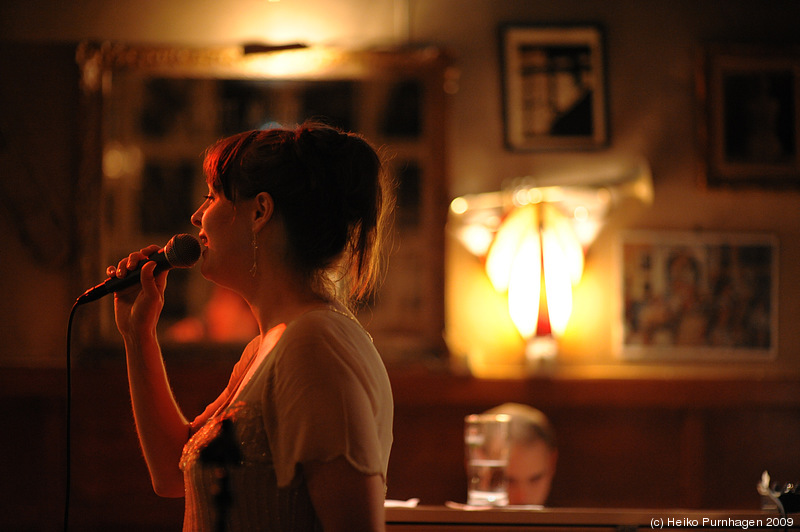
{"points": [[182, 251]]}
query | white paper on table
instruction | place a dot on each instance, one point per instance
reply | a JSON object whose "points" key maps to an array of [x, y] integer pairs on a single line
{"points": [[391, 503], [462, 506]]}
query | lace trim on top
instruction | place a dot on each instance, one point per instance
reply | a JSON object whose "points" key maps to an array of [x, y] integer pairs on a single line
{"points": [[256, 501]]}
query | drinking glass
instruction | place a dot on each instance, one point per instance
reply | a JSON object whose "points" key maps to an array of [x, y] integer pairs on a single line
{"points": [[486, 440]]}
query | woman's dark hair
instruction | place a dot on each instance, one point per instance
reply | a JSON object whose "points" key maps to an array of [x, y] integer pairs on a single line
{"points": [[328, 186]]}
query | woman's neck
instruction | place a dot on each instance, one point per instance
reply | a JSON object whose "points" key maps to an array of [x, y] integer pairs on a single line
{"points": [[282, 298]]}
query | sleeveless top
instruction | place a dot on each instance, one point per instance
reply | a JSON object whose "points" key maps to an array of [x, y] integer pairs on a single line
{"points": [[322, 392]]}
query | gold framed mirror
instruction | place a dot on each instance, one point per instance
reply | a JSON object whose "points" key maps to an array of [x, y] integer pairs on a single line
{"points": [[149, 112]]}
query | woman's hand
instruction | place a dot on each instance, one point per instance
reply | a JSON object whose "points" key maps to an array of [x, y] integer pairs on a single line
{"points": [[137, 309]]}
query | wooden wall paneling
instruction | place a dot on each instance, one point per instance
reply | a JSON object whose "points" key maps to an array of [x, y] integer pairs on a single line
{"points": [[623, 444]]}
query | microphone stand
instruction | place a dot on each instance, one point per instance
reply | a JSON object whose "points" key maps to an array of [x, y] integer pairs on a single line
{"points": [[221, 452]]}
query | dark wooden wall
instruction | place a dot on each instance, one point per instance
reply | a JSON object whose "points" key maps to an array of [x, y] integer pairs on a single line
{"points": [[658, 443], [695, 443]]}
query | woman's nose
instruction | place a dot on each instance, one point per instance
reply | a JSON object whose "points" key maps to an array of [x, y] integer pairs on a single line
{"points": [[196, 217]]}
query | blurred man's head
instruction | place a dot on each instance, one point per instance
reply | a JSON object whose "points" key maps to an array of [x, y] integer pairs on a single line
{"points": [[532, 455]]}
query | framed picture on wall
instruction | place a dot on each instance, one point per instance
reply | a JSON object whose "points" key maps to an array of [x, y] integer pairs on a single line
{"points": [[698, 296], [554, 95], [749, 96]]}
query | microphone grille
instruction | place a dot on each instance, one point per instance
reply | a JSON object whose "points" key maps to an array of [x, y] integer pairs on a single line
{"points": [[182, 251]]}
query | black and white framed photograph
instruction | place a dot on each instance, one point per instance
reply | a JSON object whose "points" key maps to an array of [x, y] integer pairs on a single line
{"points": [[749, 96], [699, 296], [554, 91]]}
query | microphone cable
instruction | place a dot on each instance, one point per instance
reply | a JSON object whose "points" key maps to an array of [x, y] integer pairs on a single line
{"points": [[68, 434]]}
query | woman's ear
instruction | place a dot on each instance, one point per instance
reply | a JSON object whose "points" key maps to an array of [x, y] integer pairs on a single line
{"points": [[264, 208]]}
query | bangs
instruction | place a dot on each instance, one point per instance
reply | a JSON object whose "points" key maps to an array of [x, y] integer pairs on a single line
{"points": [[219, 162]]}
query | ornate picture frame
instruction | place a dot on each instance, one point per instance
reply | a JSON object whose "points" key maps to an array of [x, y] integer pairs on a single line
{"points": [[554, 87], [150, 112]]}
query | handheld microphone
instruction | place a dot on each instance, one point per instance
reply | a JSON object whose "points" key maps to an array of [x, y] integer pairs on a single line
{"points": [[182, 251]]}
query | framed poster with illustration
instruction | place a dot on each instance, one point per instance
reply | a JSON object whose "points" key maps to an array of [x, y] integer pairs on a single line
{"points": [[554, 95], [749, 97], [698, 296]]}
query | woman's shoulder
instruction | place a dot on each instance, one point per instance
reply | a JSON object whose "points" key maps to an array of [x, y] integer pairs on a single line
{"points": [[323, 320], [327, 329]]}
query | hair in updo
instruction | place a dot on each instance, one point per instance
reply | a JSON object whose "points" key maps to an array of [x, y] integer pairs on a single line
{"points": [[328, 186]]}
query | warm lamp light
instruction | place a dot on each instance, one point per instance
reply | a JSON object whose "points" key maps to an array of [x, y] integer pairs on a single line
{"points": [[536, 258], [286, 61], [514, 259]]}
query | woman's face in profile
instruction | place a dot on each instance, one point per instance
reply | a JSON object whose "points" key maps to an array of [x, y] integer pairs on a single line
{"points": [[224, 235]]}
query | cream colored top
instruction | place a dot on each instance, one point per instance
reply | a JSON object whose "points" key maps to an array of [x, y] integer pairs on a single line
{"points": [[320, 393]]}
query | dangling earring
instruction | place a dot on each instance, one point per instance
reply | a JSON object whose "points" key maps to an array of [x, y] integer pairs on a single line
{"points": [[254, 268]]}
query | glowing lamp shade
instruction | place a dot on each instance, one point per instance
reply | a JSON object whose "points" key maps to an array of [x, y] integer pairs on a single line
{"points": [[537, 258]]}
